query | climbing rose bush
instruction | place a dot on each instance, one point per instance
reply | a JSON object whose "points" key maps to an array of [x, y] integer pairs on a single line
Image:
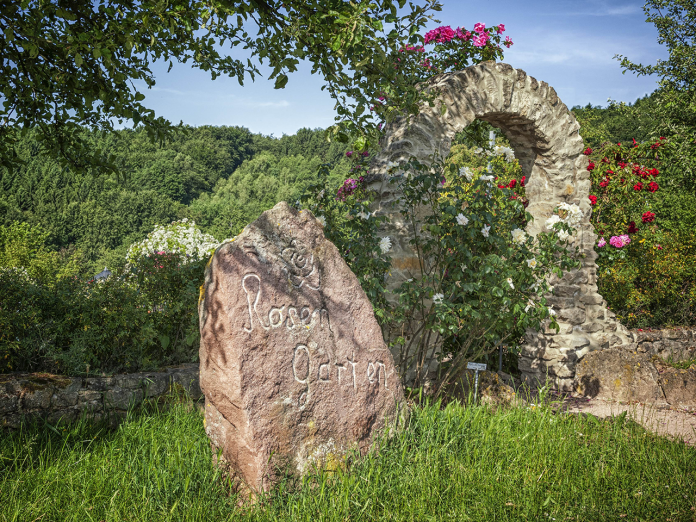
{"points": [[646, 274], [481, 279]]}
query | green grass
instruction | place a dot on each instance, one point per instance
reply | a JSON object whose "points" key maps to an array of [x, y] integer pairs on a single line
{"points": [[452, 463]]}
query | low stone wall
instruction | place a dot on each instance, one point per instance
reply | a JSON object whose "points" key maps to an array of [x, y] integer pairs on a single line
{"points": [[677, 344], [641, 371], [53, 397]]}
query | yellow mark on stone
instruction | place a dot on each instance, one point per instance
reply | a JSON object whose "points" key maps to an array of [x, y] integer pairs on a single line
{"points": [[617, 383], [201, 293]]}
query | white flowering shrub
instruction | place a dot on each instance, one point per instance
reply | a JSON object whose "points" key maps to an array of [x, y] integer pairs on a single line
{"points": [[483, 279], [180, 237]]}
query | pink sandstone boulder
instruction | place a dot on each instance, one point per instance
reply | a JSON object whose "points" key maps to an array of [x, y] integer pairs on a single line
{"points": [[292, 361]]}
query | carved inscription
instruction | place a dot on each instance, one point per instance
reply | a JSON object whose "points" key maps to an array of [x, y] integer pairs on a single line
{"points": [[277, 316], [300, 267], [308, 368]]}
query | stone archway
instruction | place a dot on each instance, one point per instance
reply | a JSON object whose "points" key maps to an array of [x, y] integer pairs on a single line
{"points": [[545, 138]]}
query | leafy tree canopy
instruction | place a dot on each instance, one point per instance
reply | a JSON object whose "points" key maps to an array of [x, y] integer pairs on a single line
{"points": [[70, 64]]}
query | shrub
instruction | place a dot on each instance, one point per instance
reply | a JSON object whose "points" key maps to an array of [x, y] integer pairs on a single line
{"points": [[141, 317], [647, 251], [481, 279]]}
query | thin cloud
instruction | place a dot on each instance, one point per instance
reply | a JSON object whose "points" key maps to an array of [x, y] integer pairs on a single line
{"points": [[272, 105], [573, 49], [168, 90], [625, 10]]}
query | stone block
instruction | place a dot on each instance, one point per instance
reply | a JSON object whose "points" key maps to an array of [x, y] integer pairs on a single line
{"points": [[99, 383], [36, 399], [565, 290], [619, 375], [592, 299], [673, 334], [189, 381], [560, 303], [8, 403], [293, 365], [66, 397], [90, 401], [679, 386], [122, 398], [155, 384], [592, 327], [573, 315], [649, 335]]}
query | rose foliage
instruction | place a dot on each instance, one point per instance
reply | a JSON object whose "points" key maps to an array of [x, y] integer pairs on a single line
{"points": [[646, 267], [480, 280]]}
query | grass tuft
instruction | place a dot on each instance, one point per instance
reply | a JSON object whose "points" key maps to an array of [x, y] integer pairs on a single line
{"points": [[452, 463]]}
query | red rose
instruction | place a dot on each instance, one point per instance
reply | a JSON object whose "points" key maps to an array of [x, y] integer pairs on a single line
{"points": [[590, 167], [605, 160], [604, 183], [622, 165], [634, 142], [523, 180], [587, 151], [593, 200], [654, 172], [610, 171], [632, 227], [653, 186], [501, 186], [648, 217], [638, 187], [512, 184]]}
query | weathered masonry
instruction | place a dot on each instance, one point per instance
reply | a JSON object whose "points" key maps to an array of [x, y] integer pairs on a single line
{"points": [[544, 135]]}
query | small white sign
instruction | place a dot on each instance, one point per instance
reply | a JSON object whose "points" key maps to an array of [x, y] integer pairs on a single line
{"points": [[475, 366]]}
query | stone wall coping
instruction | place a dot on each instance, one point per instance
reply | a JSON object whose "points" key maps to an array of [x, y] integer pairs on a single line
{"points": [[25, 396]]}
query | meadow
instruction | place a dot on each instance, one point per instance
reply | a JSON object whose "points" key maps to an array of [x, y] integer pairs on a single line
{"points": [[451, 462]]}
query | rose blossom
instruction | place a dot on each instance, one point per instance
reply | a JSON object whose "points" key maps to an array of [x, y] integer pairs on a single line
{"points": [[648, 217]]}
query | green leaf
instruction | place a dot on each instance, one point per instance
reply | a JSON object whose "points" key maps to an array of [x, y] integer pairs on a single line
{"points": [[281, 81], [78, 60]]}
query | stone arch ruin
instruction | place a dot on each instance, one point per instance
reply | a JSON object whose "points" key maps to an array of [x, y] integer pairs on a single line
{"points": [[545, 138]]}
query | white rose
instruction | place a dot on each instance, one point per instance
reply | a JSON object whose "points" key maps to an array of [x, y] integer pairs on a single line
{"points": [[518, 236], [385, 245]]}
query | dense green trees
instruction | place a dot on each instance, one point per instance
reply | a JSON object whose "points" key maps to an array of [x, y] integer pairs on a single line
{"points": [[222, 177]]}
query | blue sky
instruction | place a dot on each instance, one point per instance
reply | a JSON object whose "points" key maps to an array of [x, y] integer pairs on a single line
{"points": [[569, 44]]}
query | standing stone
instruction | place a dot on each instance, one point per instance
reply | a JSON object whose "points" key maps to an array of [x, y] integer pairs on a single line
{"points": [[293, 364]]}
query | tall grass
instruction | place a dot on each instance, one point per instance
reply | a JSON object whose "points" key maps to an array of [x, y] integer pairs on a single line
{"points": [[452, 463]]}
